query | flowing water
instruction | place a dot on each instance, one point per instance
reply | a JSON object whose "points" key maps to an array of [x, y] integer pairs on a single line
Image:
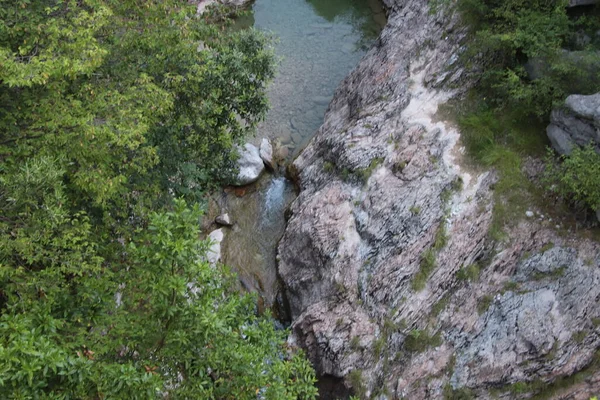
{"points": [[318, 42]]}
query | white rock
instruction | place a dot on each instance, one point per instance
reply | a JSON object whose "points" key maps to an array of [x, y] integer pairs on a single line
{"points": [[529, 214], [250, 165], [224, 220], [266, 153], [213, 255]]}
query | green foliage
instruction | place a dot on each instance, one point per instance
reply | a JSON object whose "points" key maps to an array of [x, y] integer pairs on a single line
{"points": [[328, 167], [107, 110], [416, 210], [378, 347], [439, 306], [577, 177], [365, 174], [508, 34], [579, 336], [457, 394], [469, 273], [357, 382], [500, 140], [418, 341], [441, 236], [134, 331], [510, 286], [122, 99], [426, 267], [484, 303], [533, 56], [554, 274], [355, 343]]}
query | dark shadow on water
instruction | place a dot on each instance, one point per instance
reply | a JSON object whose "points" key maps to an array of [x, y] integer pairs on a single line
{"points": [[367, 16]]}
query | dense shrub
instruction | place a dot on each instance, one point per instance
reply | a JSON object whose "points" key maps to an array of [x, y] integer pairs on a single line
{"points": [[108, 111]]}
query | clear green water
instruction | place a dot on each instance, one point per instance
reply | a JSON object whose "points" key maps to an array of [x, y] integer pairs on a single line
{"points": [[318, 42]]}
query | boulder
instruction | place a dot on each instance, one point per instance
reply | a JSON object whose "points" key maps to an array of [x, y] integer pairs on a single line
{"points": [[577, 124], [213, 255], [224, 220], [266, 153], [576, 3], [250, 165]]}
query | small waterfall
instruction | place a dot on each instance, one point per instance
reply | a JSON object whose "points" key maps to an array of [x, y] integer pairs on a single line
{"points": [[274, 203]]}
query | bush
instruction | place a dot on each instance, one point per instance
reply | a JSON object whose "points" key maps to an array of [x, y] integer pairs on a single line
{"points": [[577, 177]]}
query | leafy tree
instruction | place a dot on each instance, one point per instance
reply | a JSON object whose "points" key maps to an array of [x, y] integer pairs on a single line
{"points": [[107, 110], [530, 54], [526, 50], [127, 96], [164, 322]]}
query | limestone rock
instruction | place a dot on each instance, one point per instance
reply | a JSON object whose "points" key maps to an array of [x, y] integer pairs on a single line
{"points": [[224, 220], [577, 124], [250, 165], [266, 153]]}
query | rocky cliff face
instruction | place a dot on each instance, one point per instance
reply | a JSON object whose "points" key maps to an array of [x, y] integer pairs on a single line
{"points": [[392, 280]]}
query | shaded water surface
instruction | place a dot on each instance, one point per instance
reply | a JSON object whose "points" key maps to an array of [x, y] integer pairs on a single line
{"points": [[318, 43]]}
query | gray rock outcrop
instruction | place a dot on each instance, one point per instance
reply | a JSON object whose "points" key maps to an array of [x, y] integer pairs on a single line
{"points": [[577, 3], [393, 281], [250, 165], [576, 124]]}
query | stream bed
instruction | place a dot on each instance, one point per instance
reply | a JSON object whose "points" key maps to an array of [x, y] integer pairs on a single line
{"points": [[318, 42]]}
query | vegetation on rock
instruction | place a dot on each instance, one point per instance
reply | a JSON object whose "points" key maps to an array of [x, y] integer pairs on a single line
{"points": [[531, 55]]}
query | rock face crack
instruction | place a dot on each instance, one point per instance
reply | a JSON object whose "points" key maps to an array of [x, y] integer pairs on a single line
{"points": [[379, 204]]}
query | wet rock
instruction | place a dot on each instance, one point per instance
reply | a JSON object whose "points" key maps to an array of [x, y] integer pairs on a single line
{"points": [[321, 100], [297, 138], [294, 123], [577, 124], [285, 137], [213, 255], [280, 152], [250, 165], [266, 153], [224, 220], [348, 48]]}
